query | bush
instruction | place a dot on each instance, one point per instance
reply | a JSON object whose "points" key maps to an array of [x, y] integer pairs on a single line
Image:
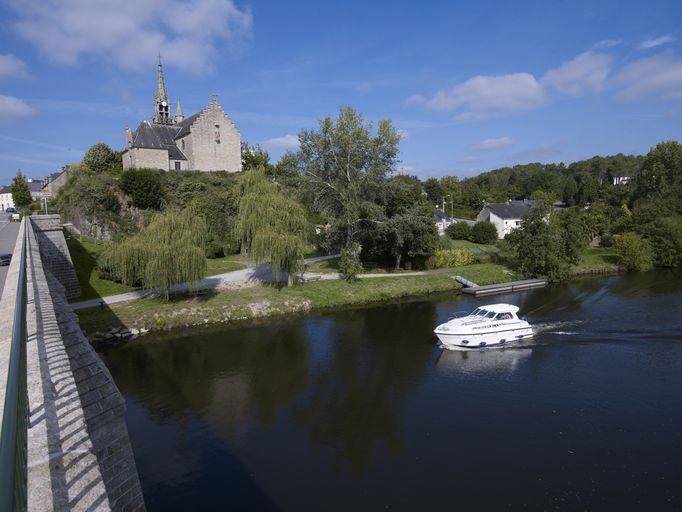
{"points": [[484, 232], [454, 258], [460, 231], [634, 252], [349, 262], [144, 187], [214, 249]]}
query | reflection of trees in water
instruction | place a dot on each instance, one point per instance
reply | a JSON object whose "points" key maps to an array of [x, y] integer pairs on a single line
{"points": [[224, 376], [356, 399]]}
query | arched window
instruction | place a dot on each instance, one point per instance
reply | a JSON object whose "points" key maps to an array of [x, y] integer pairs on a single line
{"points": [[217, 133]]}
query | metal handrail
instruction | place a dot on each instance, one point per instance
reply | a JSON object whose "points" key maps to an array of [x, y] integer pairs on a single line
{"points": [[13, 450]]}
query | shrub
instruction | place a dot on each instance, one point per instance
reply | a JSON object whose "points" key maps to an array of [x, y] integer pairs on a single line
{"points": [[349, 262], [634, 252], [214, 249], [460, 231], [484, 232], [454, 258], [143, 186]]}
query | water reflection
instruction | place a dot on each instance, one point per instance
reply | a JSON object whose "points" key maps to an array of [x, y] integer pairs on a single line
{"points": [[470, 361]]}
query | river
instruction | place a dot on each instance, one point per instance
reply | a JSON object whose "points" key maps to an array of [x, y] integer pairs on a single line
{"points": [[362, 410]]}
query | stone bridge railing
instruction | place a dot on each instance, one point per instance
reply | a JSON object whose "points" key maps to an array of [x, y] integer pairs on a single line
{"points": [[79, 453]]}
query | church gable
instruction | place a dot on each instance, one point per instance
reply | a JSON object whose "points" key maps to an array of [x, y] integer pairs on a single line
{"points": [[205, 141]]}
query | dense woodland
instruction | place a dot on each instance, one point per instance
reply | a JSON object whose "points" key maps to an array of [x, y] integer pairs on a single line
{"points": [[340, 193]]}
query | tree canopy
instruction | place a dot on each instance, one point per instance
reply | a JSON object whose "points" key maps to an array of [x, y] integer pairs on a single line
{"points": [[100, 157], [343, 165], [21, 195]]}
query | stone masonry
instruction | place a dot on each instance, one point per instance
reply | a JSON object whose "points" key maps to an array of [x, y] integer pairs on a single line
{"points": [[55, 253], [79, 453]]}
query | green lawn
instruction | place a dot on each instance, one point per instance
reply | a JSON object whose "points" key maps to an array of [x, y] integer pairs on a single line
{"points": [[84, 256], [597, 260], [473, 246], [227, 264]]}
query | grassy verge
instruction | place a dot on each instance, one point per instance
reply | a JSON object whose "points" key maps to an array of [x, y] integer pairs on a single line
{"points": [[84, 256], [473, 246], [263, 300], [597, 260], [227, 264]]}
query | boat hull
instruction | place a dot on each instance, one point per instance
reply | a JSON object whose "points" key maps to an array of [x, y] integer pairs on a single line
{"points": [[484, 339]]}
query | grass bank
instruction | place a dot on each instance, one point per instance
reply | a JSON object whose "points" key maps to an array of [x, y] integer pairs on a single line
{"points": [[597, 260], [243, 303]]}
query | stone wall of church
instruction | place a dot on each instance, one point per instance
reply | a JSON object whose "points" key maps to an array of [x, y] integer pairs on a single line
{"points": [[214, 143], [146, 158]]}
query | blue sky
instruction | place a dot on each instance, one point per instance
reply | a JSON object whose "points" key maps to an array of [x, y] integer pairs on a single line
{"points": [[473, 86]]}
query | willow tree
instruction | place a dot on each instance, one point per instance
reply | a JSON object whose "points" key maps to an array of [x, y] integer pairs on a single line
{"points": [[271, 225], [167, 252]]}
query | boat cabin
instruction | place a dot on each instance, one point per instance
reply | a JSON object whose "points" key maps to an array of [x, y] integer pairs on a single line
{"points": [[496, 312]]}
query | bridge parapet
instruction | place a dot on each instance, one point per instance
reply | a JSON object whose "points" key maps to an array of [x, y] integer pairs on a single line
{"points": [[79, 453]]}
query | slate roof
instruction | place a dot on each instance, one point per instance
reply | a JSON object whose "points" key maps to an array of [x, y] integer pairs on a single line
{"points": [[186, 124], [157, 136], [512, 210], [5, 190]]}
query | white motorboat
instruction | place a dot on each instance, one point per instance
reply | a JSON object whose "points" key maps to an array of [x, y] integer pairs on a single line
{"points": [[496, 324]]}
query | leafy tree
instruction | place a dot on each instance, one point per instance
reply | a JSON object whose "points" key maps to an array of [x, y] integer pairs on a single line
{"points": [[413, 235], [484, 232], [21, 195], [461, 231], [343, 166], [665, 236], [271, 225], [254, 157], [575, 234], [434, 191], [349, 262], [167, 252], [143, 186], [100, 157], [661, 172], [634, 252], [541, 195], [537, 244]]}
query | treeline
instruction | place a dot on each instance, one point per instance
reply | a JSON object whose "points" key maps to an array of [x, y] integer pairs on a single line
{"points": [[340, 192]]}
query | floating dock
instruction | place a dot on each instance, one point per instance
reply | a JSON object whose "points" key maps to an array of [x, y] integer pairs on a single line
{"points": [[472, 288]]}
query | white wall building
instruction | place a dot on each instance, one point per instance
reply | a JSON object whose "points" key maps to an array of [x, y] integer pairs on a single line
{"points": [[505, 216]]}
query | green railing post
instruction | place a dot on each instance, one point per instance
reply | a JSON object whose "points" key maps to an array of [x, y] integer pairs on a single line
{"points": [[13, 450]]}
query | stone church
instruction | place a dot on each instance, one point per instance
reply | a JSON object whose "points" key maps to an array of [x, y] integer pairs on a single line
{"points": [[205, 141]]}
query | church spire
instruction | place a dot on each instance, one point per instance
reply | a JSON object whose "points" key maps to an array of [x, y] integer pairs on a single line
{"points": [[179, 116], [161, 100]]}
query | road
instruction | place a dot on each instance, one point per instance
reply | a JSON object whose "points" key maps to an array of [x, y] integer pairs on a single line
{"points": [[8, 237]]}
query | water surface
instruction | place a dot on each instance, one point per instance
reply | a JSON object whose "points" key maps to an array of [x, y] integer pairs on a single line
{"points": [[362, 410]]}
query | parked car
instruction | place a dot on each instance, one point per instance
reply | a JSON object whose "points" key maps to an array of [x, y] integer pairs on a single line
{"points": [[5, 259], [10, 210]]}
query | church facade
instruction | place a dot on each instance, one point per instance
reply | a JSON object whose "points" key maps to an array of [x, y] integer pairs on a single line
{"points": [[206, 141]]}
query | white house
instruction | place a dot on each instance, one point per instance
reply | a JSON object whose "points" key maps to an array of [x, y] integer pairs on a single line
{"points": [[6, 200], [505, 216]]}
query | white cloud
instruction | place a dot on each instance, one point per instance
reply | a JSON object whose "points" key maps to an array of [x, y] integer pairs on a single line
{"points": [[656, 41], [469, 159], [14, 108], [491, 144], [607, 43], [483, 97], [130, 33], [288, 142], [415, 99], [583, 74], [661, 75], [12, 67]]}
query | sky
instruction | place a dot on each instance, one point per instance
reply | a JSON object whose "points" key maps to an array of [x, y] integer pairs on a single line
{"points": [[471, 86]]}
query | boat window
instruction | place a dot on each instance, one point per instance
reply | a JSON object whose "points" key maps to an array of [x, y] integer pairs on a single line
{"points": [[475, 312], [504, 316], [490, 314]]}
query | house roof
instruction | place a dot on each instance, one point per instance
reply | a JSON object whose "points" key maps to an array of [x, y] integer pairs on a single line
{"points": [[511, 210], [440, 216], [5, 190]]}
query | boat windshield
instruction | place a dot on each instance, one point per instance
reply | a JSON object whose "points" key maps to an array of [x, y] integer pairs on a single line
{"points": [[490, 314], [476, 312]]}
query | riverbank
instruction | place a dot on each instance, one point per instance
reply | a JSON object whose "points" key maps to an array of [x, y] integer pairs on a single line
{"points": [[237, 302]]}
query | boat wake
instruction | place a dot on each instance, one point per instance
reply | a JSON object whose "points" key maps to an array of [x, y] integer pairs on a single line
{"points": [[556, 328]]}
